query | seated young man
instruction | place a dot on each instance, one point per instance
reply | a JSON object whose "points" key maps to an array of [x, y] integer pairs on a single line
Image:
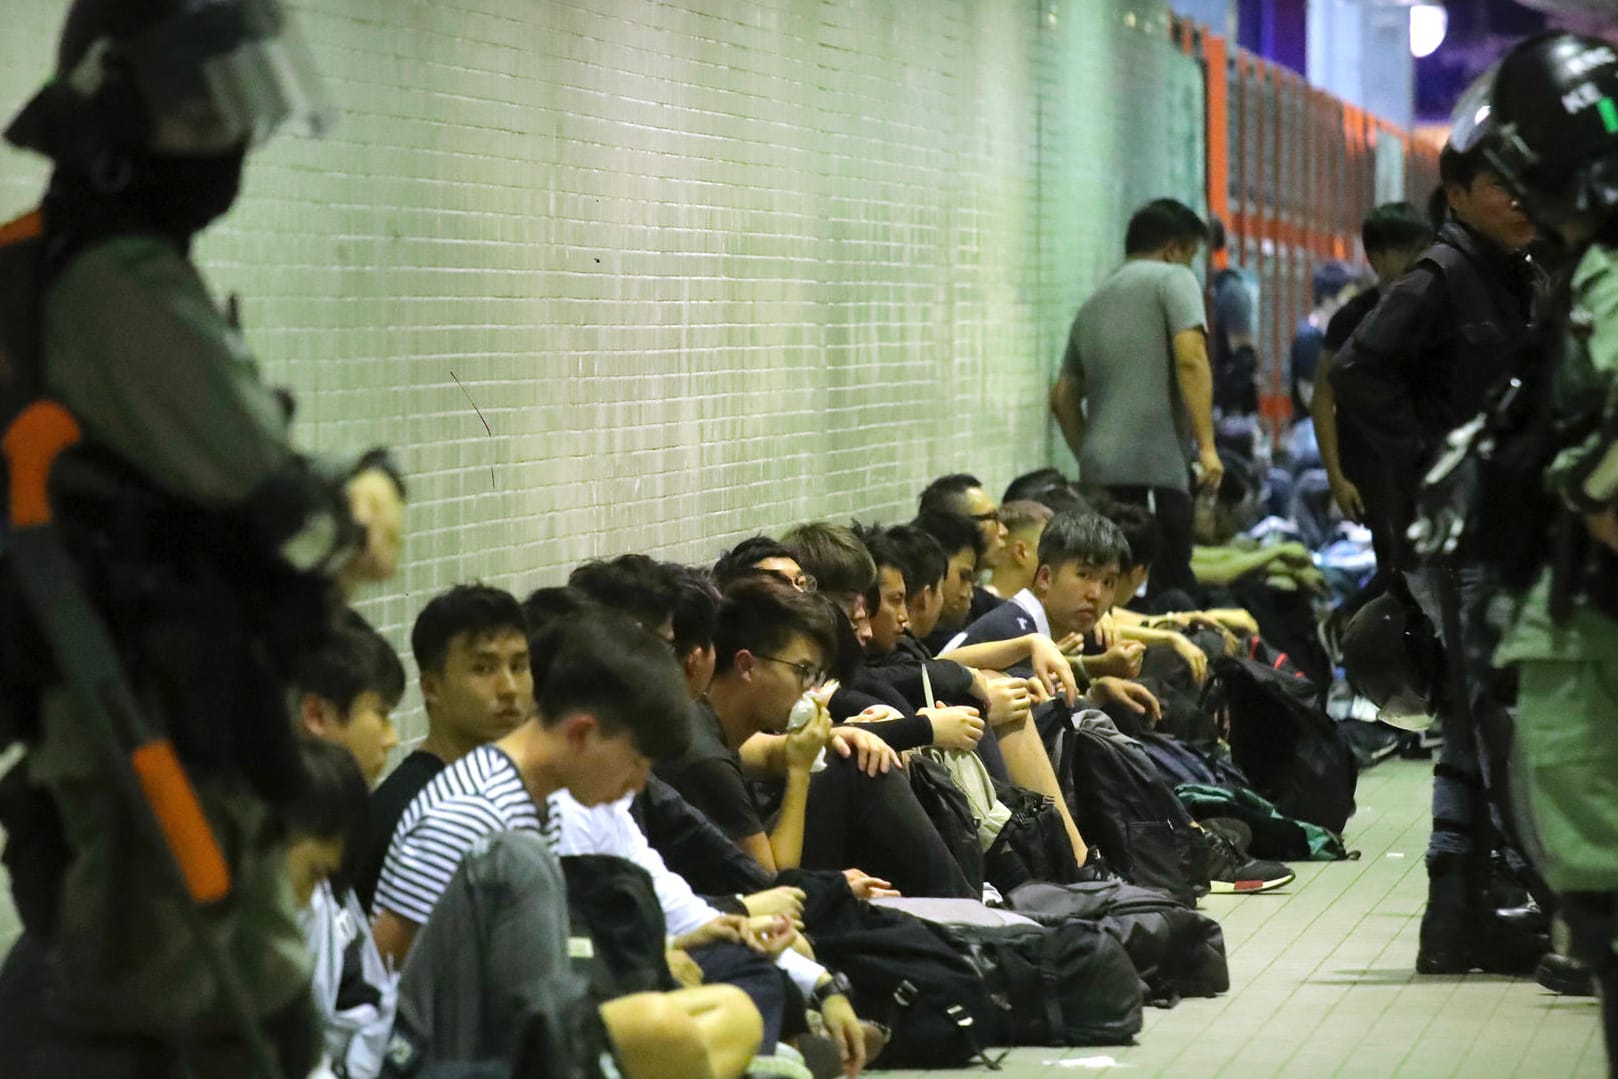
{"points": [[837, 558], [760, 554], [772, 647], [471, 648], [648, 592], [344, 694], [962, 541], [1023, 522], [610, 700], [355, 994], [1081, 556], [964, 494], [1007, 700]]}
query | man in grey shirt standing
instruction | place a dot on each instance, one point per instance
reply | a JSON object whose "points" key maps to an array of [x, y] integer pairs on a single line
{"points": [[1135, 394]]}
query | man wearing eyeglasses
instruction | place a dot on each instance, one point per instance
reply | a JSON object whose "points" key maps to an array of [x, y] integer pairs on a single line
{"points": [[773, 644]]}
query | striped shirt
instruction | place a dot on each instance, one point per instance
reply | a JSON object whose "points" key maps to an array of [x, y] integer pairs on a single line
{"points": [[479, 795]]}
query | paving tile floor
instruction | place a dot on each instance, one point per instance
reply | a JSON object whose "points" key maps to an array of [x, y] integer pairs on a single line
{"points": [[1323, 983]]}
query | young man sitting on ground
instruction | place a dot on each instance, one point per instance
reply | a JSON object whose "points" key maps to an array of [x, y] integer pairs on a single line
{"points": [[962, 541], [344, 694], [471, 648], [1081, 556], [773, 644], [1023, 522], [964, 494], [1006, 700], [609, 699]]}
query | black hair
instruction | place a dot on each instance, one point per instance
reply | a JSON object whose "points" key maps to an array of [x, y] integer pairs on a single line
{"points": [[743, 559], [605, 663], [696, 610], [353, 659], [333, 802], [920, 558], [1029, 485], [476, 609], [946, 493], [1395, 226], [1063, 499], [545, 605], [762, 614], [1086, 538], [1330, 278], [833, 556], [1143, 536], [1216, 233], [641, 587], [1162, 222], [1024, 513], [953, 531]]}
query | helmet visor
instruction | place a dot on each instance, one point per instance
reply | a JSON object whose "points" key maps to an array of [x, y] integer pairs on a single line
{"points": [[226, 73], [1472, 121]]}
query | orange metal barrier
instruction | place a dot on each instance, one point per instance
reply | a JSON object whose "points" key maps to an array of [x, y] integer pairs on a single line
{"points": [[1292, 171]]}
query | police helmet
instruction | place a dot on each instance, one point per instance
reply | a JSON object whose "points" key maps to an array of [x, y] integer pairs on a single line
{"points": [[184, 78], [1390, 656], [1545, 120]]}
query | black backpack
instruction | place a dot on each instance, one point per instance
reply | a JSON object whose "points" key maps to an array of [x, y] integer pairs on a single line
{"points": [[612, 902], [1032, 845], [1289, 749], [1123, 807], [906, 974], [950, 812], [1178, 952], [1068, 984]]}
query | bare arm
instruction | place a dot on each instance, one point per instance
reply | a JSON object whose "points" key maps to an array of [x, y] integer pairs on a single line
{"points": [[757, 847], [995, 655], [1196, 383], [786, 840], [1067, 405], [394, 935], [764, 756]]}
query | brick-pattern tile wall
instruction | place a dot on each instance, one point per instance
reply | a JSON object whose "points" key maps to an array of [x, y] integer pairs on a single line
{"points": [[705, 267]]}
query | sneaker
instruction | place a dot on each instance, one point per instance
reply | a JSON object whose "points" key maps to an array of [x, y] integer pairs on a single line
{"points": [[1232, 872], [785, 1063], [1237, 831]]}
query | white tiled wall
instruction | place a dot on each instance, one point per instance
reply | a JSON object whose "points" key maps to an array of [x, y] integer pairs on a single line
{"points": [[705, 267]]}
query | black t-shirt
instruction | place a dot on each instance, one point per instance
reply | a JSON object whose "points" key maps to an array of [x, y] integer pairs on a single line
{"points": [[709, 776], [1348, 318], [388, 803]]}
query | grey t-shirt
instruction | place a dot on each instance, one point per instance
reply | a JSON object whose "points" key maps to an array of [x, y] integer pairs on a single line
{"points": [[1120, 353]]}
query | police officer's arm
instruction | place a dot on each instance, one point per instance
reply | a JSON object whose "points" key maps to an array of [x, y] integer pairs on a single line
{"points": [[137, 350], [1371, 375]]}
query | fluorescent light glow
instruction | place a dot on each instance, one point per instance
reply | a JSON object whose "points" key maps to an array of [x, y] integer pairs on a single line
{"points": [[1428, 25]]}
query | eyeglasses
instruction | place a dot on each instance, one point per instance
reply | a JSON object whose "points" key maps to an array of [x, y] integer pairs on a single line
{"points": [[805, 582], [809, 675], [992, 515]]}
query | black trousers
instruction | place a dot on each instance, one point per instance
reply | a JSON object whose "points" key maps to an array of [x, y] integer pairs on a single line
{"points": [[1174, 511], [752, 973], [876, 824]]}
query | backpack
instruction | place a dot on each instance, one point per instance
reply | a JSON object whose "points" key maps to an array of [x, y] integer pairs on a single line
{"points": [[1178, 952], [906, 975], [1067, 984], [1274, 834], [1032, 845], [1287, 747], [950, 812], [612, 903], [1123, 807]]}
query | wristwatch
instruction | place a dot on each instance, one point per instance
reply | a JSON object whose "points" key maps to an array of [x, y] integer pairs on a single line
{"points": [[837, 985]]}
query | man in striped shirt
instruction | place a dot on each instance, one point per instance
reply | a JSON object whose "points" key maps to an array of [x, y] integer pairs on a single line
{"points": [[610, 700]]}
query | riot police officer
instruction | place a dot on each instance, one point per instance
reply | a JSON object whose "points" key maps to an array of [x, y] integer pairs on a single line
{"points": [[211, 547], [1546, 119]]}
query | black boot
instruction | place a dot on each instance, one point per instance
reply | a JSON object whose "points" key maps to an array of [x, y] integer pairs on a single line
{"points": [[1460, 929], [1565, 975], [1444, 943]]}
